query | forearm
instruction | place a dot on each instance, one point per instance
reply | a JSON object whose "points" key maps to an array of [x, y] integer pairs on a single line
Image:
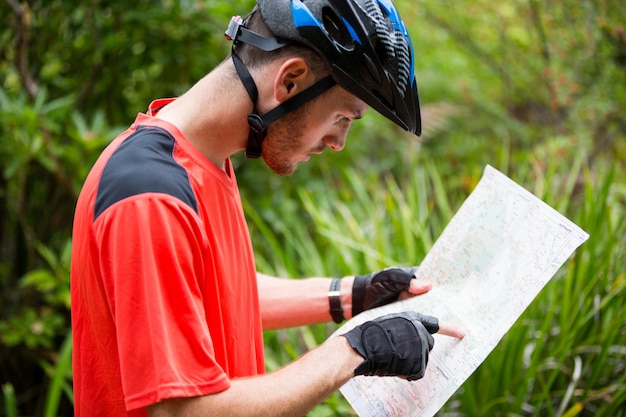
{"points": [[290, 391], [297, 302]]}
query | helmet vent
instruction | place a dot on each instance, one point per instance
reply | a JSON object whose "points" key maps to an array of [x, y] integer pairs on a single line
{"points": [[336, 29]]}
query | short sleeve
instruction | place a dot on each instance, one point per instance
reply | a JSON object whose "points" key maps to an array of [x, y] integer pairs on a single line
{"points": [[151, 251]]}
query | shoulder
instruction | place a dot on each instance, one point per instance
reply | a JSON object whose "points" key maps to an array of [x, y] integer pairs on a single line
{"points": [[144, 163]]}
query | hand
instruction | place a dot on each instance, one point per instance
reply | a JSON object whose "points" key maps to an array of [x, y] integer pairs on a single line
{"points": [[383, 287], [394, 345]]}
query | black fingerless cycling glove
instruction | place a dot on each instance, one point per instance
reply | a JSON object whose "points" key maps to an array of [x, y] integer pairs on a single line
{"points": [[394, 345], [380, 288]]}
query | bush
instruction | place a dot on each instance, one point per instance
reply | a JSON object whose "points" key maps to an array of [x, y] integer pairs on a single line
{"points": [[534, 89]]}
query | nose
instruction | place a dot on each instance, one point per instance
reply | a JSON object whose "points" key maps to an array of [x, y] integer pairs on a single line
{"points": [[337, 141]]}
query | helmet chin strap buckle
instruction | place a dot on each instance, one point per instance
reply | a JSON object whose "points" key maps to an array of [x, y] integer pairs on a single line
{"points": [[258, 131], [256, 123]]}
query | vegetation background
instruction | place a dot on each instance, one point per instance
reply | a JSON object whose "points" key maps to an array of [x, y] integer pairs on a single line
{"points": [[535, 88]]}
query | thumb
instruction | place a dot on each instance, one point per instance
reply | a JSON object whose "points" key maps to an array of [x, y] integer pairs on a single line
{"points": [[419, 286]]}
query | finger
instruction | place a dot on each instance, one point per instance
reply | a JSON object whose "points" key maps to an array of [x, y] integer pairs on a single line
{"points": [[419, 286], [447, 329], [430, 323]]}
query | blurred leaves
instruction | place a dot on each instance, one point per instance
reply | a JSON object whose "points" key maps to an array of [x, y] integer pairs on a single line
{"points": [[534, 88]]}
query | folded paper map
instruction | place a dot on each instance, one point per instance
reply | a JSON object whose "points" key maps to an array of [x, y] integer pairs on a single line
{"points": [[496, 254]]}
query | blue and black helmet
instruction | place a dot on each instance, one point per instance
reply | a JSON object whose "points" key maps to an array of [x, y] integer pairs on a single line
{"points": [[364, 42]]}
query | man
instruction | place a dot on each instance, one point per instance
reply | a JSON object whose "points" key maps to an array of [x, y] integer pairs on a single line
{"points": [[167, 307]]}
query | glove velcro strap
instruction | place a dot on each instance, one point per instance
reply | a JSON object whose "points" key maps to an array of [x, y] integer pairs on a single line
{"points": [[358, 294]]}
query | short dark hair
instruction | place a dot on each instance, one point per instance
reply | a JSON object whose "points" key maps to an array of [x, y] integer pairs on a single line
{"points": [[254, 57]]}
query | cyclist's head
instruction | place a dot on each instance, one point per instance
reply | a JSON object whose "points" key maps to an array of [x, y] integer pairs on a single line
{"points": [[363, 44]]}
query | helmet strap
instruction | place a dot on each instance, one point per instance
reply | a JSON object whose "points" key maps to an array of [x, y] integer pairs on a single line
{"points": [[258, 123]]}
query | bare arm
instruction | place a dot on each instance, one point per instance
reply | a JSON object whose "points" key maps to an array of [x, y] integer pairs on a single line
{"points": [[290, 391], [296, 388], [297, 302]]}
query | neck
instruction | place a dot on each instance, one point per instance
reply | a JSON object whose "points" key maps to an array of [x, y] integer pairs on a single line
{"points": [[213, 114]]}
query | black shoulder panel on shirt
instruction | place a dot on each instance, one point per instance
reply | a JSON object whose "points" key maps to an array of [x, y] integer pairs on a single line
{"points": [[144, 163]]}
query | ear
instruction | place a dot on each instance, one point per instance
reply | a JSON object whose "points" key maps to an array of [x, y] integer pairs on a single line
{"points": [[293, 77]]}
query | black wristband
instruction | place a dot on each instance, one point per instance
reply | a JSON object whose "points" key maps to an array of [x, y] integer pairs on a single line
{"points": [[334, 300]]}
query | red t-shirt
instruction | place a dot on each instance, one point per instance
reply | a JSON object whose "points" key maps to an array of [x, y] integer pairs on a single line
{"points": [[163, 281]]}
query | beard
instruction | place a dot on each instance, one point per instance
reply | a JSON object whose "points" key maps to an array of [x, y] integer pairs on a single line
{"points": [[284, 140]]}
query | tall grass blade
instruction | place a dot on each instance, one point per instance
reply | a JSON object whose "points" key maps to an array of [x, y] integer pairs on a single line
{"points": [[10, 402], [60, 379]]}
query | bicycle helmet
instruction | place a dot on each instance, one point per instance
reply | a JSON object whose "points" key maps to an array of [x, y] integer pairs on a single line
{"points": [[365, 43]]}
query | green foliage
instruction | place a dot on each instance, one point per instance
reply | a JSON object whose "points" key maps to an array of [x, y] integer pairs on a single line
{"points": [[536, 89], [524, 72], [39, 326], [10, 402], [565, 354], [60, 375], [113, 55]]}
